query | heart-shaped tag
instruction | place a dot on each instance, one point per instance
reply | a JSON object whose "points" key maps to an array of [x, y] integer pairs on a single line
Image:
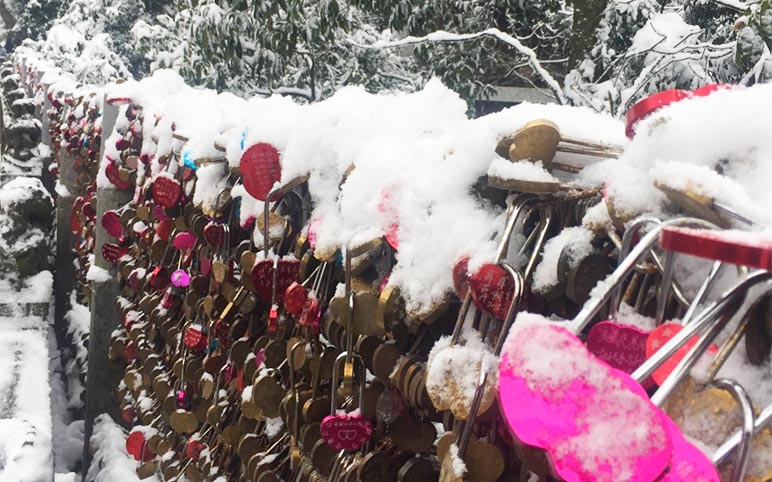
{"points": [[194, 338], [89, 211], [688, 463], [137, 447], [214, 234], [194, 447], [262, 278], [166, 191], [345, 431], [260, 170], [492, 290], [164, 229], [621, 346], [295, 298], [389, 209], [112, 173], [184, 241], [461, 276], [112, 252], [594, 422], [180, 278], [111, 222], [310, 314], [128, 414], [122, 144], [661, 335], [129, 352]]}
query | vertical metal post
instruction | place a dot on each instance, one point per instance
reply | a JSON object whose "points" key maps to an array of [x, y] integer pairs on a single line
{"points": [[102, 377]]}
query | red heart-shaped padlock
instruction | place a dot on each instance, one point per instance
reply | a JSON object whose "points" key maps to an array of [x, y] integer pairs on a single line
{"points": [[262, 278], [214, 234], [122, 144], [623, 347], [137, 447], [461, 276], [166, 191], [128, 414], [164, 229], [112, 252], [159, 278], [260, 170], [661, 335], [194, 338], [193, 448], [111, 173], [129, 352], [345, 431], [111, 222], [492, 290], [295, 298]]}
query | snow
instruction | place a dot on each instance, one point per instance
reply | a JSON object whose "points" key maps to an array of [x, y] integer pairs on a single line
{"points": [[110, 461], [98, 275], [575, 241]]}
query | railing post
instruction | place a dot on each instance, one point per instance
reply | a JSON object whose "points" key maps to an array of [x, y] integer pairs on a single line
{"points": [[102, 377], [64, 277]]}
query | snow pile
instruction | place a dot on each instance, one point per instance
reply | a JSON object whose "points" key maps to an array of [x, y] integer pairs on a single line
{"points": [[110, 461]]}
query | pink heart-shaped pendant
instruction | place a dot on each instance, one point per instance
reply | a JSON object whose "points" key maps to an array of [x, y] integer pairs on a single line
{"points": [[166, 191], [260, 170], [688, 463], [262, 278], [184, 241], [594, 422], [345, 431], [492, 290], [180, 278], [621, 346], [111, 222]]}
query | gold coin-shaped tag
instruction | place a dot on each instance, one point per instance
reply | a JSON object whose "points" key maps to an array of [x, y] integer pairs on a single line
{"points": [[183, 421]]}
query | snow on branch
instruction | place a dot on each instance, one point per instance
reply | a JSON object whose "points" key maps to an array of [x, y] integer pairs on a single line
{"points": [[443, 36], [734, 4]]}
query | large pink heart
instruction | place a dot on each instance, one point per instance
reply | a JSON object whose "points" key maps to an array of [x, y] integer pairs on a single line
{"points": [[688, 464], [621, 346], [594, 422], [346, 432]]}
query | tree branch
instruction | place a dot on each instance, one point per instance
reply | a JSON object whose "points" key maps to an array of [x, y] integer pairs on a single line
{"points": [[442, 36]]}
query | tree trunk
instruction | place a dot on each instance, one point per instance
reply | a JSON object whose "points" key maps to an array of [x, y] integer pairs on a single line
{"points": [[587, 17], [8, 19]]}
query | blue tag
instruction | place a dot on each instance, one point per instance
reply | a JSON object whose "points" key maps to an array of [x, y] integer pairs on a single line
{"points": [[187, 159], [243, 138]]}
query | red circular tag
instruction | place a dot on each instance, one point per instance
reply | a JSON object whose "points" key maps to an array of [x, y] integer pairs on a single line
{"points": [[262, 278], [260, 170]]}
